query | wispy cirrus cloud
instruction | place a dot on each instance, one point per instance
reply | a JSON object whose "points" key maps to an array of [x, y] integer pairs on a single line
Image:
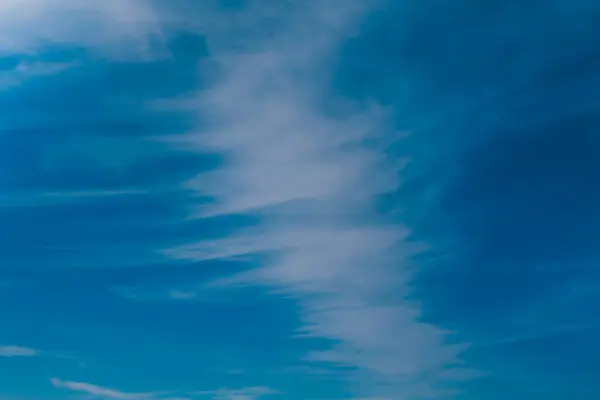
{"points": [[98, 391], [315, 184], [17, 351], [121, 29], [245, 393]]}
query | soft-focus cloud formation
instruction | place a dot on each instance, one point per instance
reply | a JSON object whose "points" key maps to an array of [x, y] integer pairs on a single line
{"points": [[97, 391], [120, 28], [315, 184], [248, 393], [17, 351], [94, 391]]}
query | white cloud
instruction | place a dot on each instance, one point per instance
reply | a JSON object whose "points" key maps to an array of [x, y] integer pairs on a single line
{"points": [[120, 28], [315, 184], [181, 294], [98, 391], [247, 393], [17, 351], [149, 294]]}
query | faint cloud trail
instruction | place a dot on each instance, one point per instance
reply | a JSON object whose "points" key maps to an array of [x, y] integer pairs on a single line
{"points": [[17, 351]]}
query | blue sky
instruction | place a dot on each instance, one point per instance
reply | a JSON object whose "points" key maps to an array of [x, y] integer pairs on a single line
{"points": [[244, 200]]}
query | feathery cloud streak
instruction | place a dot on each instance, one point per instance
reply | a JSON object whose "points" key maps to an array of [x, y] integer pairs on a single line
{"points": [[118, 28], [315, 184], [17, 351], [98, 391], [247, 393]]}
